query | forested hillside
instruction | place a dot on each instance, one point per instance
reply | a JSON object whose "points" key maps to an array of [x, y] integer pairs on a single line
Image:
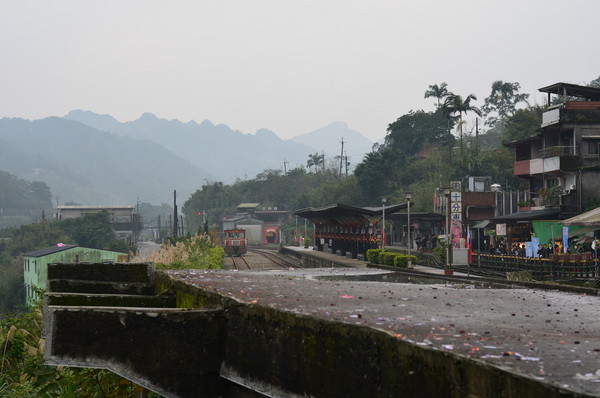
{"points": [[22, 201]]}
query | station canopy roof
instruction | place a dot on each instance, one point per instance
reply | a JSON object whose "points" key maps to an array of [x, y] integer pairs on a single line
{"points": [[415, 216], [345, 214], [588, 219], [545, 214]]}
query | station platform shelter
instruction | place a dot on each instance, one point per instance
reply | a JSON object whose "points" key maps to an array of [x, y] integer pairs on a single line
{"points": [[347, 230]]}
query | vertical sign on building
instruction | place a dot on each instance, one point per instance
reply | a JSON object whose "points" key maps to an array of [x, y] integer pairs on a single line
{"points": [[456, 210]]}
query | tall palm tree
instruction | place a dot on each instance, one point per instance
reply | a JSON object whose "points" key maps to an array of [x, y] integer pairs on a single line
{"points": [[456, 104], [440, 92], [315, 160]]}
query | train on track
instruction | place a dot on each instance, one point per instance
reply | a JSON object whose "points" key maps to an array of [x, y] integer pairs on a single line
{"points": [[235, 242]]}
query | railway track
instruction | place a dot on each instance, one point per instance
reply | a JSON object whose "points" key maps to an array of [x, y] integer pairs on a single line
{"points": [[240, 261], [275, 259]]}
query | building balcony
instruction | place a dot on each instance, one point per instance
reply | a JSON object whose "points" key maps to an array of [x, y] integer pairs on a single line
{"points": [[551, 164], [521, 168], [558, 151], [574, 112]]}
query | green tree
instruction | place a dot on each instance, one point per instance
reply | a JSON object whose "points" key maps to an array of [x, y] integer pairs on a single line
{"points": [[389, 167], [440, 92], [524, 123], [595, 83], [93, 231], [502, 102], [315, 160], [410, 132], [455, 104]]}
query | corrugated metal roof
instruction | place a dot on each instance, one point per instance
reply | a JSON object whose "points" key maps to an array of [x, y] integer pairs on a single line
{"points": [[345, 214], [546, 214], [49, 250], [95, 207], [248, 205], [588, 219]]}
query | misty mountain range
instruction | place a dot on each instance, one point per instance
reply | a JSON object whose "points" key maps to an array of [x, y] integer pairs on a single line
{"points": [[95, 159]]}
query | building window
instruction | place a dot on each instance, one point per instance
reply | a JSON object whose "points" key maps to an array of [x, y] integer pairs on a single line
{"points": [[593, 147]]}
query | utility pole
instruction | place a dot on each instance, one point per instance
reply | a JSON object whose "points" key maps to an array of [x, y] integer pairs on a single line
{"points": [[175, 226], [346, 162], [284, 167], [342, 157]]}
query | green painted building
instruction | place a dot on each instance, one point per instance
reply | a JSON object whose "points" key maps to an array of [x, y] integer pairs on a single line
{"points": [[35, 264]]}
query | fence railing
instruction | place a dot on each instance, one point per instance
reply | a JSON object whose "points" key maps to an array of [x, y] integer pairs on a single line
{"points": [[541, 268]]}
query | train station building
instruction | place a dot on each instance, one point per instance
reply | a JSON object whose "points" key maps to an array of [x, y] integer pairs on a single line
{"points": [[347, 230], [262, 223]]}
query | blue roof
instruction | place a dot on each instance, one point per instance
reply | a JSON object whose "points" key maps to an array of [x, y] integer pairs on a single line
{"points": [[49, 250]]}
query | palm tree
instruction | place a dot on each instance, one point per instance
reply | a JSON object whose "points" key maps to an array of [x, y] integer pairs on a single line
{"points": [[315, 160], [440, 92], [456, 104]]}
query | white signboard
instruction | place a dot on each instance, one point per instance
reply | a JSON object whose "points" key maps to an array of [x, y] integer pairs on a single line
{"points": [[501, 229]]}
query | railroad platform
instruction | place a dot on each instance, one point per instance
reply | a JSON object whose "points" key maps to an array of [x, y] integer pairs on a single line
{"points": [[349, 262]]}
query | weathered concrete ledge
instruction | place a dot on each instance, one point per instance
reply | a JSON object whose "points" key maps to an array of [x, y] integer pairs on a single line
{"points": [[111, 300], [291, 335], [127, 272], [333, 333], [100, 287], [174, 352]]}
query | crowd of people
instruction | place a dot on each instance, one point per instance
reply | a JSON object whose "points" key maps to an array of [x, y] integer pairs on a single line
{"points": [[546, 250]]}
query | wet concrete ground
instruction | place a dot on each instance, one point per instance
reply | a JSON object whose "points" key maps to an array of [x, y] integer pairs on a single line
{"points": [[547, 335]]}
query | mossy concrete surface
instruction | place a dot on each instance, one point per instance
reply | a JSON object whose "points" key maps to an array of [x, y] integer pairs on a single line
{"points": [[110, 300], [319, 333], [174, 352], [292, 334], [122, 272]]}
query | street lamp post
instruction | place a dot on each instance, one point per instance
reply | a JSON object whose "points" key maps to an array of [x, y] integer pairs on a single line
{"points": [[383, 200], [448, 233], [408, 196]]}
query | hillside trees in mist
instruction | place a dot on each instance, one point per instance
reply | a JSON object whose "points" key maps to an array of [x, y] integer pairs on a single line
{"points": [[420, 151], [92, 230], [19, 197], [294, 190]]}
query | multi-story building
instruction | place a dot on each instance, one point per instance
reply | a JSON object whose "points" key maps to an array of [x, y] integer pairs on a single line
{"points": [[562, 162], [125, 221]]}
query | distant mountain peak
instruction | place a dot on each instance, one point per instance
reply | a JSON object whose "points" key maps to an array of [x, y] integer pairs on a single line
{"points": [[266, 133], [148, 116], [76, 114], [329, 137], [89, 118]]}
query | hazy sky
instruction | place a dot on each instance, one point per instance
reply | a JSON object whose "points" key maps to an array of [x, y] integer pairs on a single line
{"points": [[289, 66]]}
